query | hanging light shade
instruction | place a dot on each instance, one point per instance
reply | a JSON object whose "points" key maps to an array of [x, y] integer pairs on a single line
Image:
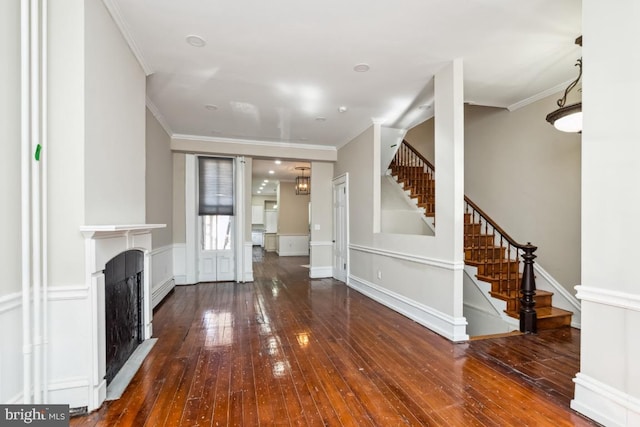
{"points": [[568, 118], [303, 183]]}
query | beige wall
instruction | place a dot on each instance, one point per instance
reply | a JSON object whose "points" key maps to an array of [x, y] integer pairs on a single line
{"points": [[179, 220], [526, 175], [293, 210], [115, 124], [159, 181], [422, 138], [10, 158], [321, 215]]}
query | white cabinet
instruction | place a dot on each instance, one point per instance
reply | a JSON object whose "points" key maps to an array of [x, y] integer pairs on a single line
{"points": [[271, 221], [256, 238], [257, 214]]}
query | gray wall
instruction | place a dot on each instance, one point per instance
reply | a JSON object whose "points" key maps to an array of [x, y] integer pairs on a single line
{"points": [[159, 181]]}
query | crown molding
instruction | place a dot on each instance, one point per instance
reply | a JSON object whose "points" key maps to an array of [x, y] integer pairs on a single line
{"points": [[114, 10], [158, 115], [541, 95], [254, 142]]}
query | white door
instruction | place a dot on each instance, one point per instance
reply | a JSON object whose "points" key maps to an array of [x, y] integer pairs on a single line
{"points": [[340, 229], [216, 249]]}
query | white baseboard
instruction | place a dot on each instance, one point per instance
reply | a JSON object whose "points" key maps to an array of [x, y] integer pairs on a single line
{"points": [[321, 272], [71, 391], [159, 292], [293, 253], [180, 280], [449, 327], [605, 404]]}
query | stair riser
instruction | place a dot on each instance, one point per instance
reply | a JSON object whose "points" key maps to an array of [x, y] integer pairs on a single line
{"points": [[478, 240], [491, 269], [484, 254]]}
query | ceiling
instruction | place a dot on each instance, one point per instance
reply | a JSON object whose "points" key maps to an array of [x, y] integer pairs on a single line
{"points": [[284, 171], [278, 70]]}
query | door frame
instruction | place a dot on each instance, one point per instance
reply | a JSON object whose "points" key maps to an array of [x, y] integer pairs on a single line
{"points": [[192, 235], [342, 180]]}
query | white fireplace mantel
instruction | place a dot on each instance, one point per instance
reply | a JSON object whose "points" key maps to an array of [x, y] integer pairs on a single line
{"points": [[102, 231], [102, 243]]}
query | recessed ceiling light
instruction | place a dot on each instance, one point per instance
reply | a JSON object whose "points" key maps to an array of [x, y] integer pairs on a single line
{"points": [[271, 172], [258, 191], [195, 41], [321, 119], [266, 180], [361, 68], [277, 162], [342, 109], [211, 107]]}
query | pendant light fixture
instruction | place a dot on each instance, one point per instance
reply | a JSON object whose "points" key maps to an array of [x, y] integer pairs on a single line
{"points": [[303, 183], [568, 118]]}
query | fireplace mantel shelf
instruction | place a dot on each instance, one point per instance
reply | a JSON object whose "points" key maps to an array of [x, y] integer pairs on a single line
{"points": [[98, 231]]}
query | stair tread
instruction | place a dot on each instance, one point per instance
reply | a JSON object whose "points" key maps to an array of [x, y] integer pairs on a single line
{"points": [[539, 293], [545, 313]]}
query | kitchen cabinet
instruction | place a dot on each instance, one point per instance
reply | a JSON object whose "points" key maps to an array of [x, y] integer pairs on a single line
{"points": [[257, 214]]}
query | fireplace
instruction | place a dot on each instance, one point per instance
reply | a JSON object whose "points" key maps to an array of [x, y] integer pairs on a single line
{"points": [[124, 252], [123, 297]]}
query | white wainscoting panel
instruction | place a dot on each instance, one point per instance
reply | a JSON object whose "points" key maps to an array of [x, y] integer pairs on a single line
{"points": [[180, 263], [248, 262], [11, 348], [320, 259], [161, 273], [320, 272], [605, 404], [293, 244], [449, 327], [69, 349]]}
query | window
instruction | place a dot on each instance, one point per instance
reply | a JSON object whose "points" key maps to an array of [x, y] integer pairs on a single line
{"points": [[216, 232], [215, 186]]}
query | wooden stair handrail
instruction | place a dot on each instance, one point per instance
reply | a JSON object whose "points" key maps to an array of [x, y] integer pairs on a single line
{"points": [[420, 156], [472, 204], [495, 225], [528, 316]]}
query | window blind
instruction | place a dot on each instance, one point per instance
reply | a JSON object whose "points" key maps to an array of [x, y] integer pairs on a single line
{"points": [[215, 186]]}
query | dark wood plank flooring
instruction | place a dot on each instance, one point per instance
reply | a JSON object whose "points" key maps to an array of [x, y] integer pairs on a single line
{"points": [[289, 350]]}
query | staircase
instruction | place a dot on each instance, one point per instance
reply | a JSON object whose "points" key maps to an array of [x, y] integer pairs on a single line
{"points": [[487, 247]]}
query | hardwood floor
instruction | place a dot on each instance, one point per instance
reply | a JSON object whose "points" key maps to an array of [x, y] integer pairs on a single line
{"points": [[289, 350]]}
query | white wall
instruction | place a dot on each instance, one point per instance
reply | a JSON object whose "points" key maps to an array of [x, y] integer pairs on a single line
{"points": [[66, 152], [420, 276], [10, 158], [115, 124], [608, 384], [10, 200]]}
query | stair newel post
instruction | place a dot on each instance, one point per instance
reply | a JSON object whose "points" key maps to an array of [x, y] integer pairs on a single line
{"points": [[528, 316]]}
